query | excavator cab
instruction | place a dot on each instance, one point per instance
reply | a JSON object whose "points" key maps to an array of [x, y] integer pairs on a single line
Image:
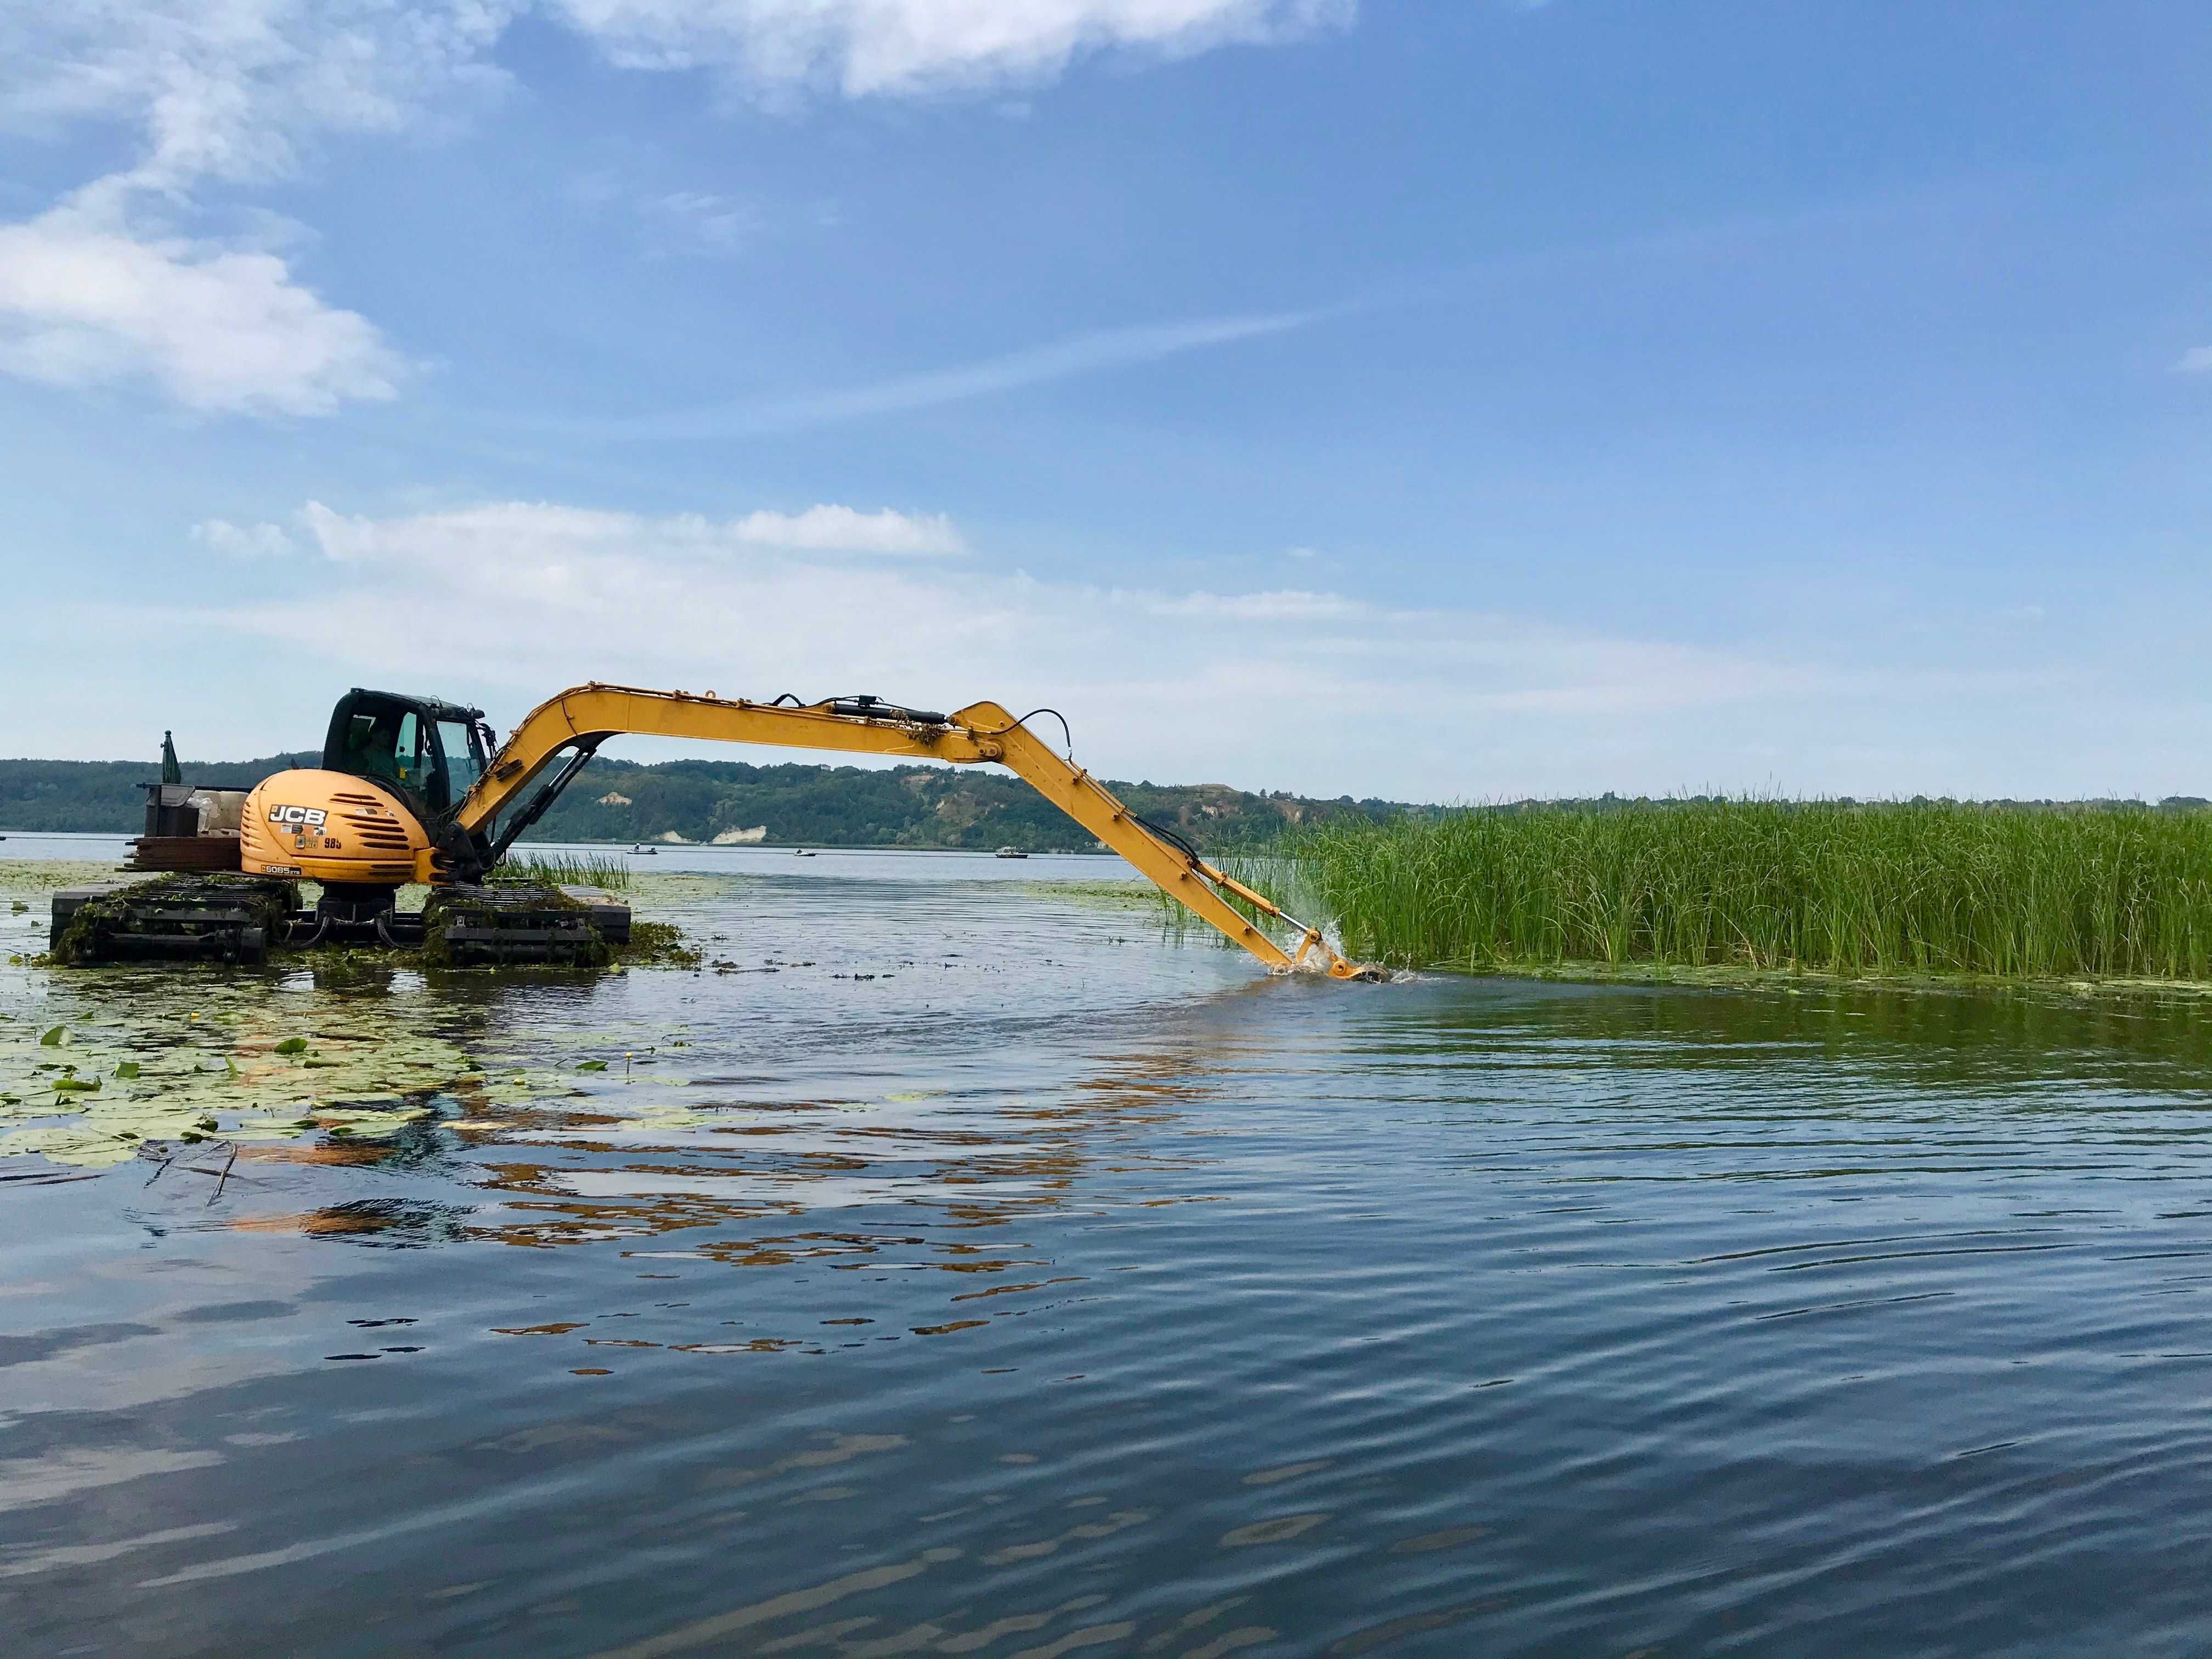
{"points": [[431, 751]]}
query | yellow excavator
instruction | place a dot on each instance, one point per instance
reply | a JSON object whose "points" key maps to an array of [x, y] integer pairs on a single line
{"points": [[416, 790]]}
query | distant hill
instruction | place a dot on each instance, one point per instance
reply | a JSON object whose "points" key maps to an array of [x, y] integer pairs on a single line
{"points": [[98, 796], [794, 804], [615, 801]]}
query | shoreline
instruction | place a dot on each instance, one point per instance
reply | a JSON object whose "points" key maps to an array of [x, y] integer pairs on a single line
{"points": [[8, 837], [1728, 977]]}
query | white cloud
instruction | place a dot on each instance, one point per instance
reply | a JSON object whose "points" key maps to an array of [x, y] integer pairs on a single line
{"points": [[699, 219], [238, 88], [241, 90], [2197, 360], [843, 529], [873, 47], [506, 602], [84, 301], [99, 288], [235, 88], [255, 541], [1282, 605], [573, 548]]}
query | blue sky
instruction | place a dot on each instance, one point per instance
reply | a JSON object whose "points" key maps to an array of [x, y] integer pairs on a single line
{"points": [[1442, 401]]}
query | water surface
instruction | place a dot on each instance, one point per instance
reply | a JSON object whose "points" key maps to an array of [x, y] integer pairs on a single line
{"points": [[997, 1277]]}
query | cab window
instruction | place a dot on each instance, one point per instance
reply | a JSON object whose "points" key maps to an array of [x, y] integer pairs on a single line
{"points": [[463, 757], [408, 760], [385, 746], [361, 741]]}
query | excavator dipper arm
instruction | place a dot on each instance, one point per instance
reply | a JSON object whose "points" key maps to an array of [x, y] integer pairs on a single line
{"points": [[982, 733]]}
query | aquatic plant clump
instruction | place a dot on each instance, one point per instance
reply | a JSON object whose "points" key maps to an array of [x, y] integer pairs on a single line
{"points": [[656, 944], [564, 869], [491, 926], [135, 1057], [1884, 889], [215, 916]]}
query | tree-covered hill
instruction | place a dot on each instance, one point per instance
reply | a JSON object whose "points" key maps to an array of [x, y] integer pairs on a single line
{"points": [[105, 795], [615, 801]]}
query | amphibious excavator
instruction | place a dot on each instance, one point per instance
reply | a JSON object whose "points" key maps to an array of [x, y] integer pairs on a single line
{"points": [[415, 790]]}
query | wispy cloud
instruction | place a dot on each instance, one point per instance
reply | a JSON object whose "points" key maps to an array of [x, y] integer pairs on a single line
{"points": [[542, 539], [873, 48], [828, 529], [1283, 684], [243, 541], [1279, 604], [1085, 353], [703, 220], [105, 286], [2197, 360]]}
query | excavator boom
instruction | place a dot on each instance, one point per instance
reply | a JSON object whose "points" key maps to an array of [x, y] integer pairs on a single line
{"points": [[568, 729]]}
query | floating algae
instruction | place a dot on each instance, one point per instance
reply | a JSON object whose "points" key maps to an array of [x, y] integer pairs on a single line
{"points": [[95, 1063], [1096, 894], [196, 1061], [107, 1060], [25, 878], [656, 944]]}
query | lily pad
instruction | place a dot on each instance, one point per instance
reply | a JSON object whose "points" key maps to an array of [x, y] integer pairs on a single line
{"points": [[378, 1063], [273, 1058]]}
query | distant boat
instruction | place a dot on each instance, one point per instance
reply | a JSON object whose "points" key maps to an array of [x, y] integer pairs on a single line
{"points": [[800, 853], [1010, 853], [643, 851]]}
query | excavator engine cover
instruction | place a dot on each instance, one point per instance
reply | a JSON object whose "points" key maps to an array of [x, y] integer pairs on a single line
{"points": [[314, 825]]}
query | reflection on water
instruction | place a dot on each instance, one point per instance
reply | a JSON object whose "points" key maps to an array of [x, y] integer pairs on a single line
{"points": [[996, 1278]]}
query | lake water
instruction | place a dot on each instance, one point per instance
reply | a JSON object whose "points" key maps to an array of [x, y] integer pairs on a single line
{"points": [[998, 1277]]}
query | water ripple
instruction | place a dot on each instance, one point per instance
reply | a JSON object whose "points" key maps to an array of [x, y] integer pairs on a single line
{"points": [[1064, 1289]]}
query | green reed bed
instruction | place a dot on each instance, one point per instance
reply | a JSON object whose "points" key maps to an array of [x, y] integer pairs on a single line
{"points": [[566, 869], [1888, 889]]}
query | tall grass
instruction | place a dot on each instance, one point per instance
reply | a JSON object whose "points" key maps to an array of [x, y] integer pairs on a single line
{"points": [[2117, 892], [565, 869]]}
